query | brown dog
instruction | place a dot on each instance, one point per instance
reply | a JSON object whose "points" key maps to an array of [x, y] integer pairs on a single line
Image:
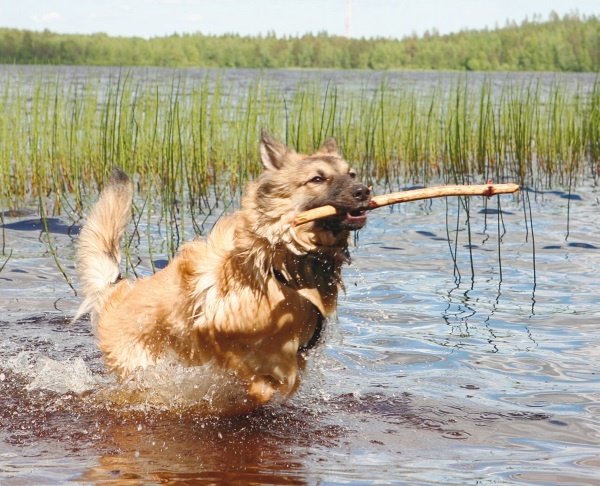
{"points": [[251, 298]]}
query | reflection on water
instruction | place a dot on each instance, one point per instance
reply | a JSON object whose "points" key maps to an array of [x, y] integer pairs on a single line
{"points": [[437, 371]]}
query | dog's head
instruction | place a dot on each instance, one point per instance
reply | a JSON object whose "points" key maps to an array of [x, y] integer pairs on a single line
{"points": [[292, 182]]}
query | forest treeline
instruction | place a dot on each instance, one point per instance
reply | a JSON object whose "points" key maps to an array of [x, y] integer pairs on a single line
{"points": [[568, 43]]}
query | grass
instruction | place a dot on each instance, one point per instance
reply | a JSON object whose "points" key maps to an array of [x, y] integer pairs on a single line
{"points": [[193, 144]]}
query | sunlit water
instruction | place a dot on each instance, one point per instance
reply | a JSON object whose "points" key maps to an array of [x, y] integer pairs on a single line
{"points": [[431, 375]]}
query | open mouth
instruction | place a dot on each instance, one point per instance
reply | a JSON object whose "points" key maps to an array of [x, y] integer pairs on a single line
{"points": [[347, 220], [354, 219]]}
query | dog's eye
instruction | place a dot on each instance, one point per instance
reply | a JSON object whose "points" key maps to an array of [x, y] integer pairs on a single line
{"points": [[317, 179], [352, 174]]}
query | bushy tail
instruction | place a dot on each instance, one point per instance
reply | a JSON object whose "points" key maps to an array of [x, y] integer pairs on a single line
{"points": [[98, 248]]}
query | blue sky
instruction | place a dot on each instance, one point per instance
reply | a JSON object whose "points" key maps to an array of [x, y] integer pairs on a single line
{"points": [[370, 18]]}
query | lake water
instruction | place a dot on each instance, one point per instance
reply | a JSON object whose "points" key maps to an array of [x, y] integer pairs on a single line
{"points": [[479, 373]]}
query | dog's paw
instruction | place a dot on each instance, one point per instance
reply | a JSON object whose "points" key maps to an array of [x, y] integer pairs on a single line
{"points": [[261, 390]]}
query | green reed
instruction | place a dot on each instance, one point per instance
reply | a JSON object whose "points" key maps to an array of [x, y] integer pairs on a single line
{"points": [[192, 145]]}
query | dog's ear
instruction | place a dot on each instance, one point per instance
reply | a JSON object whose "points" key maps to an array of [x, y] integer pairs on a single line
{"points": [[272, 152], [330, 147]]}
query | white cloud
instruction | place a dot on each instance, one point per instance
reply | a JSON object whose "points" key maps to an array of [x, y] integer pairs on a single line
{"points": [[47, 18]]}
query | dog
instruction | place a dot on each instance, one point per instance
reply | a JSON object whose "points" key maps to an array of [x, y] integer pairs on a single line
{"points": [[252, 298]]}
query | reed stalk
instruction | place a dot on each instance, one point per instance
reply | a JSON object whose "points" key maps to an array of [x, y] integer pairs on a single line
{"points": [[193, 144]]}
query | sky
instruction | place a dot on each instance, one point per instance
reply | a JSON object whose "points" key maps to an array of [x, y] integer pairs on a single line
{"points": [[369, 18]]}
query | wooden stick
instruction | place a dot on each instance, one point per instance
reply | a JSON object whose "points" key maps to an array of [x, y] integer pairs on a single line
{"points": [[413, 195]]}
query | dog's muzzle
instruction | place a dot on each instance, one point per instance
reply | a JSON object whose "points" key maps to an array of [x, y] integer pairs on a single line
{"points": [[351, 215]]}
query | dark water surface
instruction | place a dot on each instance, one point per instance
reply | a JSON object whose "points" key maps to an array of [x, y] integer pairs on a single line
{"points": [[426, 378], [286, 80]]}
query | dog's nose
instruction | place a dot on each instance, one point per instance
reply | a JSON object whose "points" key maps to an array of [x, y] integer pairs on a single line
{"points": [[361, 193]]}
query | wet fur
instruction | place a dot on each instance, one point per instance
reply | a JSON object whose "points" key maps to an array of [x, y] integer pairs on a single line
{"points": [[250, 298]]}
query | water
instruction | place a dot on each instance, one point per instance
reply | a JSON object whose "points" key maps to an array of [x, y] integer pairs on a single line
{"points": [[482, 373], [426, 378], [15, 76]]}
